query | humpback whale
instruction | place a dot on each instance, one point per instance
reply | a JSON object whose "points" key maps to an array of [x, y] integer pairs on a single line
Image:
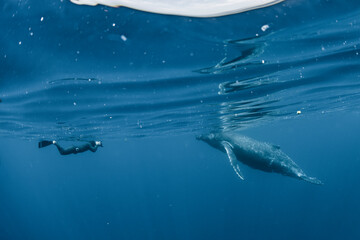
{"points": [[258, 155]]}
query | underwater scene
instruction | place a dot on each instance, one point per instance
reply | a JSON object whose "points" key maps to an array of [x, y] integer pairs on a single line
{"points": [[192, 119]]}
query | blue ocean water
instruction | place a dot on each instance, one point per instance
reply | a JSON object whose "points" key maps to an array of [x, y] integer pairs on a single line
{"points": [[146, 85]]}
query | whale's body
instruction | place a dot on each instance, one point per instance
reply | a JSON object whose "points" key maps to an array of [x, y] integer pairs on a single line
{"points": [[258, 155]]}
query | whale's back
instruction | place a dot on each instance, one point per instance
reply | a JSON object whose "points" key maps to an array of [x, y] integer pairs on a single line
{"points": [[262, 155], [253, 153]]}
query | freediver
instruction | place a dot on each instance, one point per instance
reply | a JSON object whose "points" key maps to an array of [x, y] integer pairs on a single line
{"points": [[90, 145]]}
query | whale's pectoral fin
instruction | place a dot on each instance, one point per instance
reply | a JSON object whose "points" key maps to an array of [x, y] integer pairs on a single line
{"points": [[311, 180], [232, 159]]}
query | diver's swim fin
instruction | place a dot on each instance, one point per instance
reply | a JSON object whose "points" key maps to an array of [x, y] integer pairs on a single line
{"points": [[45, 143]]}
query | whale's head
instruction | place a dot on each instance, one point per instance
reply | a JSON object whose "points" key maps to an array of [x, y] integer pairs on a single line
{"points": [[206, 137], [213, 139]]}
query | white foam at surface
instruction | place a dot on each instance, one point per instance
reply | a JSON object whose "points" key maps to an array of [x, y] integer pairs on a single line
{"points": [[190, 8]]}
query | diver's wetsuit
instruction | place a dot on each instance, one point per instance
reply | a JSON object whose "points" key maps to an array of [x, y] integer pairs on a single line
{"points": [[77, 149]]}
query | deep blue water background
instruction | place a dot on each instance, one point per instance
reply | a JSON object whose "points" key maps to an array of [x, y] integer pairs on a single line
{"points": [[66, 73]]}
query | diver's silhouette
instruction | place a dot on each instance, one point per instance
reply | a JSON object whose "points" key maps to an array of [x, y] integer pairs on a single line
{"points": [[90, 145]]}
